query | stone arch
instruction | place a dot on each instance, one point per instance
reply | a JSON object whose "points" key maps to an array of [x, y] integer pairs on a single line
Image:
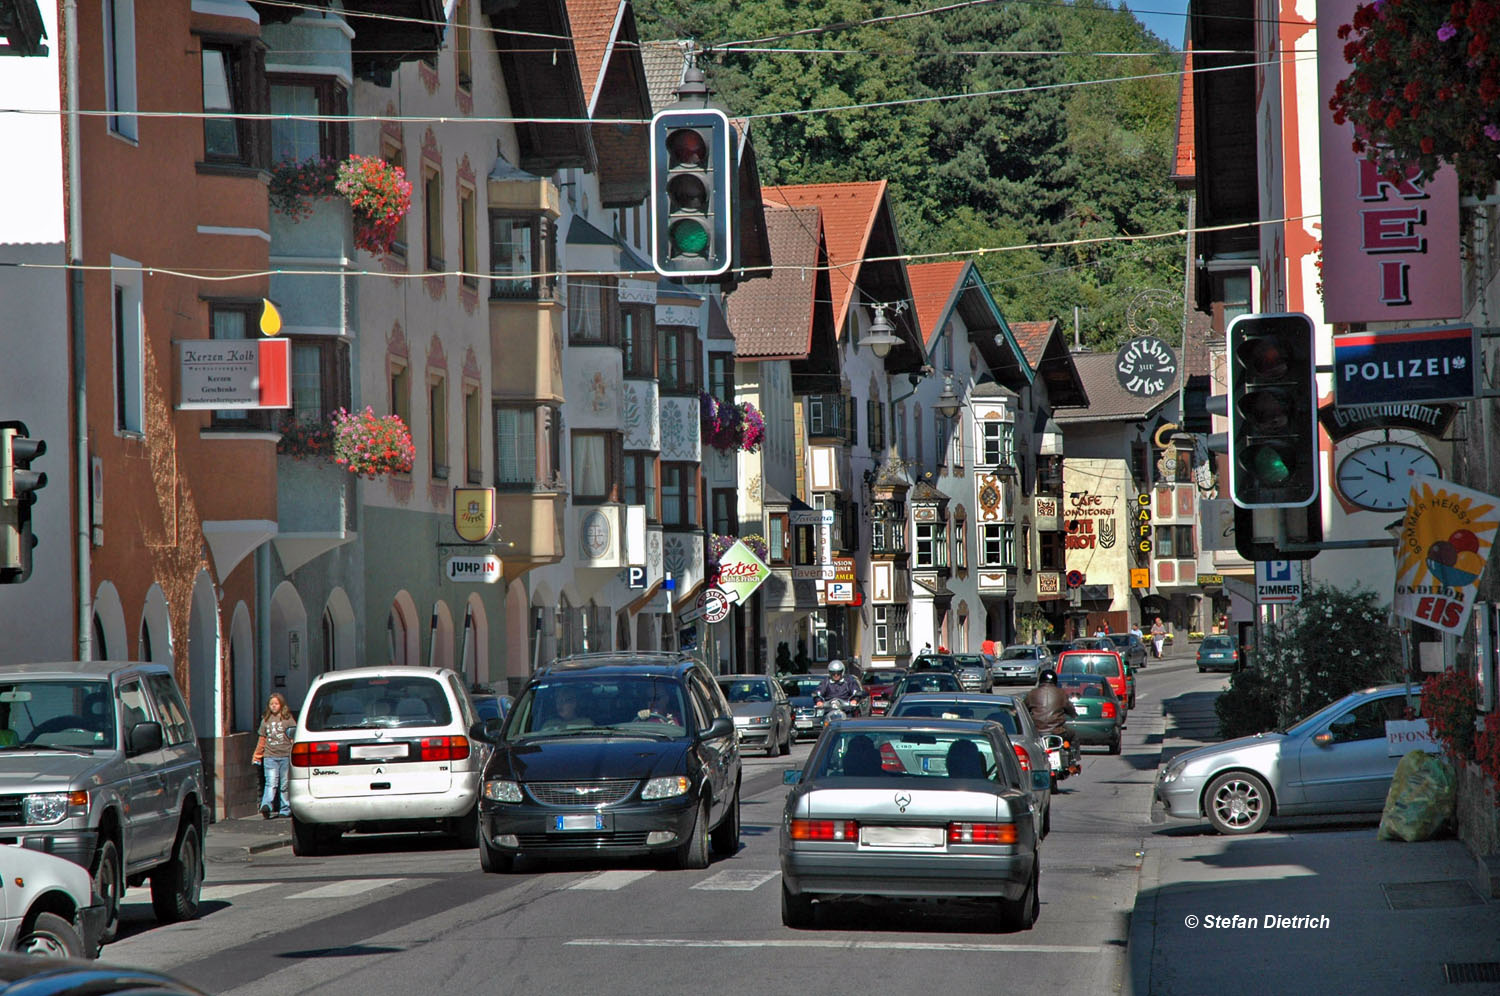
{"points": [[288, 650], [110, 641], [338, 632], [403, 637], [154, 638], [440, 636], [244, 698], [518, 635], [474, 642], [205, 679]]}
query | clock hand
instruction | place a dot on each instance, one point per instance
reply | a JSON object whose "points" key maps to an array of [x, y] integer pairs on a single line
{"points": [[1387, 474]]}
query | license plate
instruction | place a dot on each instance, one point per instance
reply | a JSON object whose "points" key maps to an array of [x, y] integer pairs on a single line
{"points": [[1083, 710], [1054, 761], [935, 764], [378, 752], [579, 821], [901, 836]]}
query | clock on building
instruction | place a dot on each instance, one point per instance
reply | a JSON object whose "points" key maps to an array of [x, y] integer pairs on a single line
{"points": [[1379, 477]]}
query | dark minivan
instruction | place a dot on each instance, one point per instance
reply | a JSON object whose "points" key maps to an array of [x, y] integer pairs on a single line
{"points": [[612, 754]]}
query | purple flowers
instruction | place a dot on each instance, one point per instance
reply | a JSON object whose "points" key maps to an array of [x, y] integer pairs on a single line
{"points": [[1447, 32], [728, 427], [1492, 132]]}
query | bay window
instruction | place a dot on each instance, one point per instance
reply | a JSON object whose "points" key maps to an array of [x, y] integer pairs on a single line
{"points": [[596, 467], [679, 494]]}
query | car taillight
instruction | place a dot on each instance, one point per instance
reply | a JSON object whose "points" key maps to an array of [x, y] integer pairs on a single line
{"points": [[981, 833], [1022, 757], [1108, 710], [1234, 655], [443, 748], [824, 829], [311, 754], [889, 761]]}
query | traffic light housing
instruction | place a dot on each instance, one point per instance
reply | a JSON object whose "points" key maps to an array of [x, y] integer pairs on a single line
{"points": [[1273, 411], [692, 192], [18, 487]]}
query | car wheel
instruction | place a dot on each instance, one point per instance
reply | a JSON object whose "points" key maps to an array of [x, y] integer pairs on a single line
{"points": [[1237, 803], [1131, 703], [726, 836], [786, 743], [50, 936], [1201, 669], [110, 884], [465, 829], [1114, 745], [693, 852], [177, 886], [796, 911], [1047, 821], [1021, 914], [306, 841], [1054, 783], [493, 861]]}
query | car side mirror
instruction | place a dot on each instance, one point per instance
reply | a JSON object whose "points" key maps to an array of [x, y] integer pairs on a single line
{"points": [[721, 727], [1324, 739], [1052, 741], [143, 738], [791, 776], [480, 731]]}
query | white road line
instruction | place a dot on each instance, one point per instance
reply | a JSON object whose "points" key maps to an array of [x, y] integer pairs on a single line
{"points": [[831, 944], [343, 890], [609, 881], [217, 893], [736, 881]]}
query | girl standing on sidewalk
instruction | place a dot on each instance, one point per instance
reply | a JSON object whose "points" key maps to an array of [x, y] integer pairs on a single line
{"points": [[273, 752]]}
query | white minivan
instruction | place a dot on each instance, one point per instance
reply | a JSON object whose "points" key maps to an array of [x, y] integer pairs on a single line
{"points": [[382, 749]]}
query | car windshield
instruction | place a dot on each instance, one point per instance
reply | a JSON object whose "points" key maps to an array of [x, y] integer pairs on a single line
{"points": [[1083, 685], [939, 681], [803, 686], [930, 709], [1217, 643], [884, 677], [619, 705], [67, 713], [1090, 664], [969, 660], [1120, 639], [377, 702], [746, 690], [928, 663], [894, 753], [1018, 654]]}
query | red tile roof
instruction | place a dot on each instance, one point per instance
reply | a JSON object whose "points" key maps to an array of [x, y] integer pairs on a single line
{"points": [[592, 23], [849, 211], [1185, 165], [1032, 338], [932, 287], [773, 318]]}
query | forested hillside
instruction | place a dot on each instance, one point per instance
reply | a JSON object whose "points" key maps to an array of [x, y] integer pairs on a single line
{"points": [[1055, 163]]}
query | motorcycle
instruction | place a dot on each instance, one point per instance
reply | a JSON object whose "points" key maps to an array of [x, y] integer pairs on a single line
{"points": [[1063, 756], [838, 709]]}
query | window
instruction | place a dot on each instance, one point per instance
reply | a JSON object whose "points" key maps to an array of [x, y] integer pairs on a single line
{"points": [[961, 544], [997, 545], [320, 376], [932, 545], [432, 215], [679, 494], [593, 312], [779, 538], [640, 483], [221, 136], [596, 467], [437, 413], [1174, 542], [726, 519], [468, 249], [1049, 475], [888, 533], [523, 256], [296, 138], [396, 156], [956, 456], [129, 348], [997, 443], [463, 58], [677, 359], [721, 376], [473, 442], [939, 439], [638, 339], [515, 447], [119, 66], [175, 727], [1026, 549], [1050, 556], [234, 320], [890, 631], [233, 83]]}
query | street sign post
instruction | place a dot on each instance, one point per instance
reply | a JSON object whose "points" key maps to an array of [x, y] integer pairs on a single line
{"points": [[1278, 582], [635, 576]]}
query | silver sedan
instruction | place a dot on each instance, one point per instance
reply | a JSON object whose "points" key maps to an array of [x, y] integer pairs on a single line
{"points": [[910, 808], [762, 713], [1334, 761]]}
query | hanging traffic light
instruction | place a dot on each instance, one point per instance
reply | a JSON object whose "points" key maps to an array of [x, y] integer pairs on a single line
{"points": [[18, 487], [692, 183], [1273, 411]]}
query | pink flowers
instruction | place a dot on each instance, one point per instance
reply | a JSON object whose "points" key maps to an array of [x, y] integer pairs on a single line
{"points": [[728, 427], [378, 193], [372, 446]]}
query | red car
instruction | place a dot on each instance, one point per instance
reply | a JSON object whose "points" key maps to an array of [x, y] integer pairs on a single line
{"points": [[1108, 664], [878, 684]]}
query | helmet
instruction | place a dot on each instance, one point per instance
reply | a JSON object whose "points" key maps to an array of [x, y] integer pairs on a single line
{"points": [[1047, 677], [835, 668]]}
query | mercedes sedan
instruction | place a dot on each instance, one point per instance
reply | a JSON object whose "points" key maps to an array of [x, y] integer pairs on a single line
{"points": [[910, 808]]}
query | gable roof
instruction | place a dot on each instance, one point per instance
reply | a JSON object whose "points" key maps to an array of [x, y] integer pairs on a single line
{"points": [[1032, 338], [1185, 162], [614, 87], [932, 286], [540, 64], [773, 318], [594, 24], [1107, 400], [664, 64], [1047, 351], [849, 211]]}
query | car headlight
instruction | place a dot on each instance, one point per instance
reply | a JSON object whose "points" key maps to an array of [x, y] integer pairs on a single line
{"points": [[46, 807], [760, 720], [1174, 771], [499, 790], [665, 787]]}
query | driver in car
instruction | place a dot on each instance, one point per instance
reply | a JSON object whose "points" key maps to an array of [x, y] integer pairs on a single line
{"points": [[838, 685], [565, 711]]}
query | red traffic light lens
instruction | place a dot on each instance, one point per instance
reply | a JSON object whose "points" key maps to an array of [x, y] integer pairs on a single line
{"points": [[1265, 358], [687, 193], [687, 147]]}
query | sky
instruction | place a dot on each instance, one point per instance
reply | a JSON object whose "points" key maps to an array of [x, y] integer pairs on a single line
{"points": [[1164, 18]]}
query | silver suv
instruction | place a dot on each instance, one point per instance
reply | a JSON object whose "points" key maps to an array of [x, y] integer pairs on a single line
{"points": [[101, 766]]}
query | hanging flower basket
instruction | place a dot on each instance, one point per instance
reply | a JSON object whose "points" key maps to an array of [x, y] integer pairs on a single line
{"points": [[718, 545], [372, 446], [729, 427], [302, 438], [378, 193], [1424, 87]]}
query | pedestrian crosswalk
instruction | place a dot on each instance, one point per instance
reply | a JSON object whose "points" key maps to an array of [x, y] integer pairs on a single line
{"points": [[333, 890]]}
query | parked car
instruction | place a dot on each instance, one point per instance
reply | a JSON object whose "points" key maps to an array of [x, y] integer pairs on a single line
{"points": [[925, 681], [930, 661], [1056, 647], [910, 808], [84, 978], [1105, 663], [47, 905], [879, 683], [801, 694], [101, 767], [974, 672], [1131, 647], [613, 754], [384, 749], [490, 705], [1218, 653], [1020, 664], [1009, 711], [1092, 643], [1334, 761], [762, 715], [1101, 713]]}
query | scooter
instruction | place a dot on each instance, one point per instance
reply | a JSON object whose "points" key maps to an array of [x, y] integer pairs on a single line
{"points": [[838, 709], [1063, 756]]}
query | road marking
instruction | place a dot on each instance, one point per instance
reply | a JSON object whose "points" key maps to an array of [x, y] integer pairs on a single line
{"points": [[343, 890], [609, 881], [831, 944], [216, 893], [736, 881]]}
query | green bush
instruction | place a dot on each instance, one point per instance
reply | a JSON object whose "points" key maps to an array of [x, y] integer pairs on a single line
{"points": [[1248, 706]]}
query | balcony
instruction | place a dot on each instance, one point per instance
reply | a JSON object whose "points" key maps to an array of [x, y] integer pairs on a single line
{"points": [[315, 509], [530, 529]]}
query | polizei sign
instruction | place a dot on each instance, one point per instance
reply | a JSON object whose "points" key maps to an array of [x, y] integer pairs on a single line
{"points": [[1435, 364]]}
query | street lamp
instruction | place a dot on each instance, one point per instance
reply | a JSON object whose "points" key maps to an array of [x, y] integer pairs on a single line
{"points": [[880, 338], [948, 403]]}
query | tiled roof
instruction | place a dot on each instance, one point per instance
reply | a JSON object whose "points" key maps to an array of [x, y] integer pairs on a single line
{"points": [[593, 26], [1185, 164], [849, 211], [932, 287], [1108, 401], [664, 64], [1032, 338], [774, 317]]}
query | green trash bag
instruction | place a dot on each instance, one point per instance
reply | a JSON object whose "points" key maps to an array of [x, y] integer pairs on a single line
{"points": [[1421, 799]]}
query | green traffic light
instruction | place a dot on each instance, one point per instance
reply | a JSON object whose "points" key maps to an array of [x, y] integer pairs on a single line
{"points": [[1271, 466], [689, 238]]}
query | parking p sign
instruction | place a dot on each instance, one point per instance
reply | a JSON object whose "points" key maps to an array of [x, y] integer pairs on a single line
{"points": [[1278, 582]]}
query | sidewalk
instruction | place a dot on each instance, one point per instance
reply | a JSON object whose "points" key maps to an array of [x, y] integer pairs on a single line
{"points": [[239, 839]]}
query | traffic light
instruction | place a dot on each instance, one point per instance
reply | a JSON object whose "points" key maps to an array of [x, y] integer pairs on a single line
{"points": [[1273, 412], [18, 487], [692, 189]]}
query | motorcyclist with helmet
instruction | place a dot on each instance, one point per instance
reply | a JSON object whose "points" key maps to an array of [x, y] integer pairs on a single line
{"points": [[1051, 709], [839, 685]]}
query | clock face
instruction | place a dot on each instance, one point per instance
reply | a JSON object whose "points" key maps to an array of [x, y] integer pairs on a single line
{"points": [[1379, 477]]}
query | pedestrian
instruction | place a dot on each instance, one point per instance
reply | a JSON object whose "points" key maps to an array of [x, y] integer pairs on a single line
{"points": [[1158, 637], [273, 752]]}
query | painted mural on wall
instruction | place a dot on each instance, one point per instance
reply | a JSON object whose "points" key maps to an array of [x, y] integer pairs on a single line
{"points": [[682, 557], [640, 411], [679, 429], [593, 387]]}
